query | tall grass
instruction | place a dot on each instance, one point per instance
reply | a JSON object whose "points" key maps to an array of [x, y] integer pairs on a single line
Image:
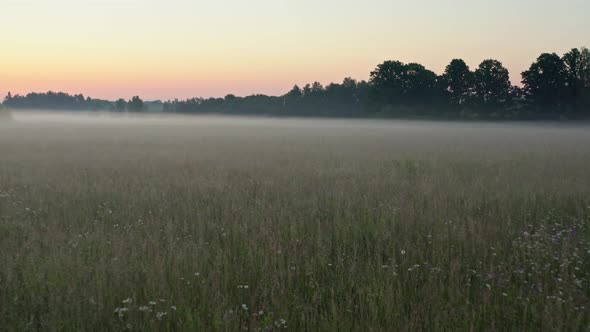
{"points": [[306, 225]]}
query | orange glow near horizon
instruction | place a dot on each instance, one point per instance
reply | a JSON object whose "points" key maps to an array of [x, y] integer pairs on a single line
{"points": [[179, 49]]}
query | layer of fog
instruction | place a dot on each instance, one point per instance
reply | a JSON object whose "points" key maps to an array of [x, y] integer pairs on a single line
{"points": [[65, 137], [337, 134], [130, 119]]}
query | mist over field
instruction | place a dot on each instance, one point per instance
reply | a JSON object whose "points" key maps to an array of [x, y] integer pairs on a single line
{"points": [[376, 165], [153, 222], [385, 138]]}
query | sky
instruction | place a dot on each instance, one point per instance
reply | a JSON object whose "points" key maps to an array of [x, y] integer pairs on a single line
{"points": [[166, 49]]}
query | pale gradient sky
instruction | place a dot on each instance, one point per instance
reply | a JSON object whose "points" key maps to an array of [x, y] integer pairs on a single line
{"points": [[179, 48]]}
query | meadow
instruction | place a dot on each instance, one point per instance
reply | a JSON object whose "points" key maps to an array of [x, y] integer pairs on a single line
{"points": [[113, 223]]}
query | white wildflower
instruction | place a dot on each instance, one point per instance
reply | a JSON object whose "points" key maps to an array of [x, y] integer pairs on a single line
{"points": [[281, 323], [121, 311]]}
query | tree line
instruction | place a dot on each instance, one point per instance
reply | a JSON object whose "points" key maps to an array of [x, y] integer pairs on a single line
{"points": [[63, 101], [553, 87]]}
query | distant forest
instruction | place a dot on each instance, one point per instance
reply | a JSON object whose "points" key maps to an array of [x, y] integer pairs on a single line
{"points": [[553, 87]]}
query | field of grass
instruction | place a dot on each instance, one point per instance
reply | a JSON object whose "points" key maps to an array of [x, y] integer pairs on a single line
{"points": [[194, 224]]}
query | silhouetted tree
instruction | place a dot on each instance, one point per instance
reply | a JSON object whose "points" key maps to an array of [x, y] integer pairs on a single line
{"points": [[342, 94], [517, 94], [362, 93], [584, 73], [8, 98], [346, 99], [544, 83], [135, 104], [120, 105], [492, 86], [420, 85], [459, 82], [56, 101], [396, 83], [584, 70], [317, 91], [577, 65], [296, 92], [387, 83], [292, 97], [571, 61]]}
